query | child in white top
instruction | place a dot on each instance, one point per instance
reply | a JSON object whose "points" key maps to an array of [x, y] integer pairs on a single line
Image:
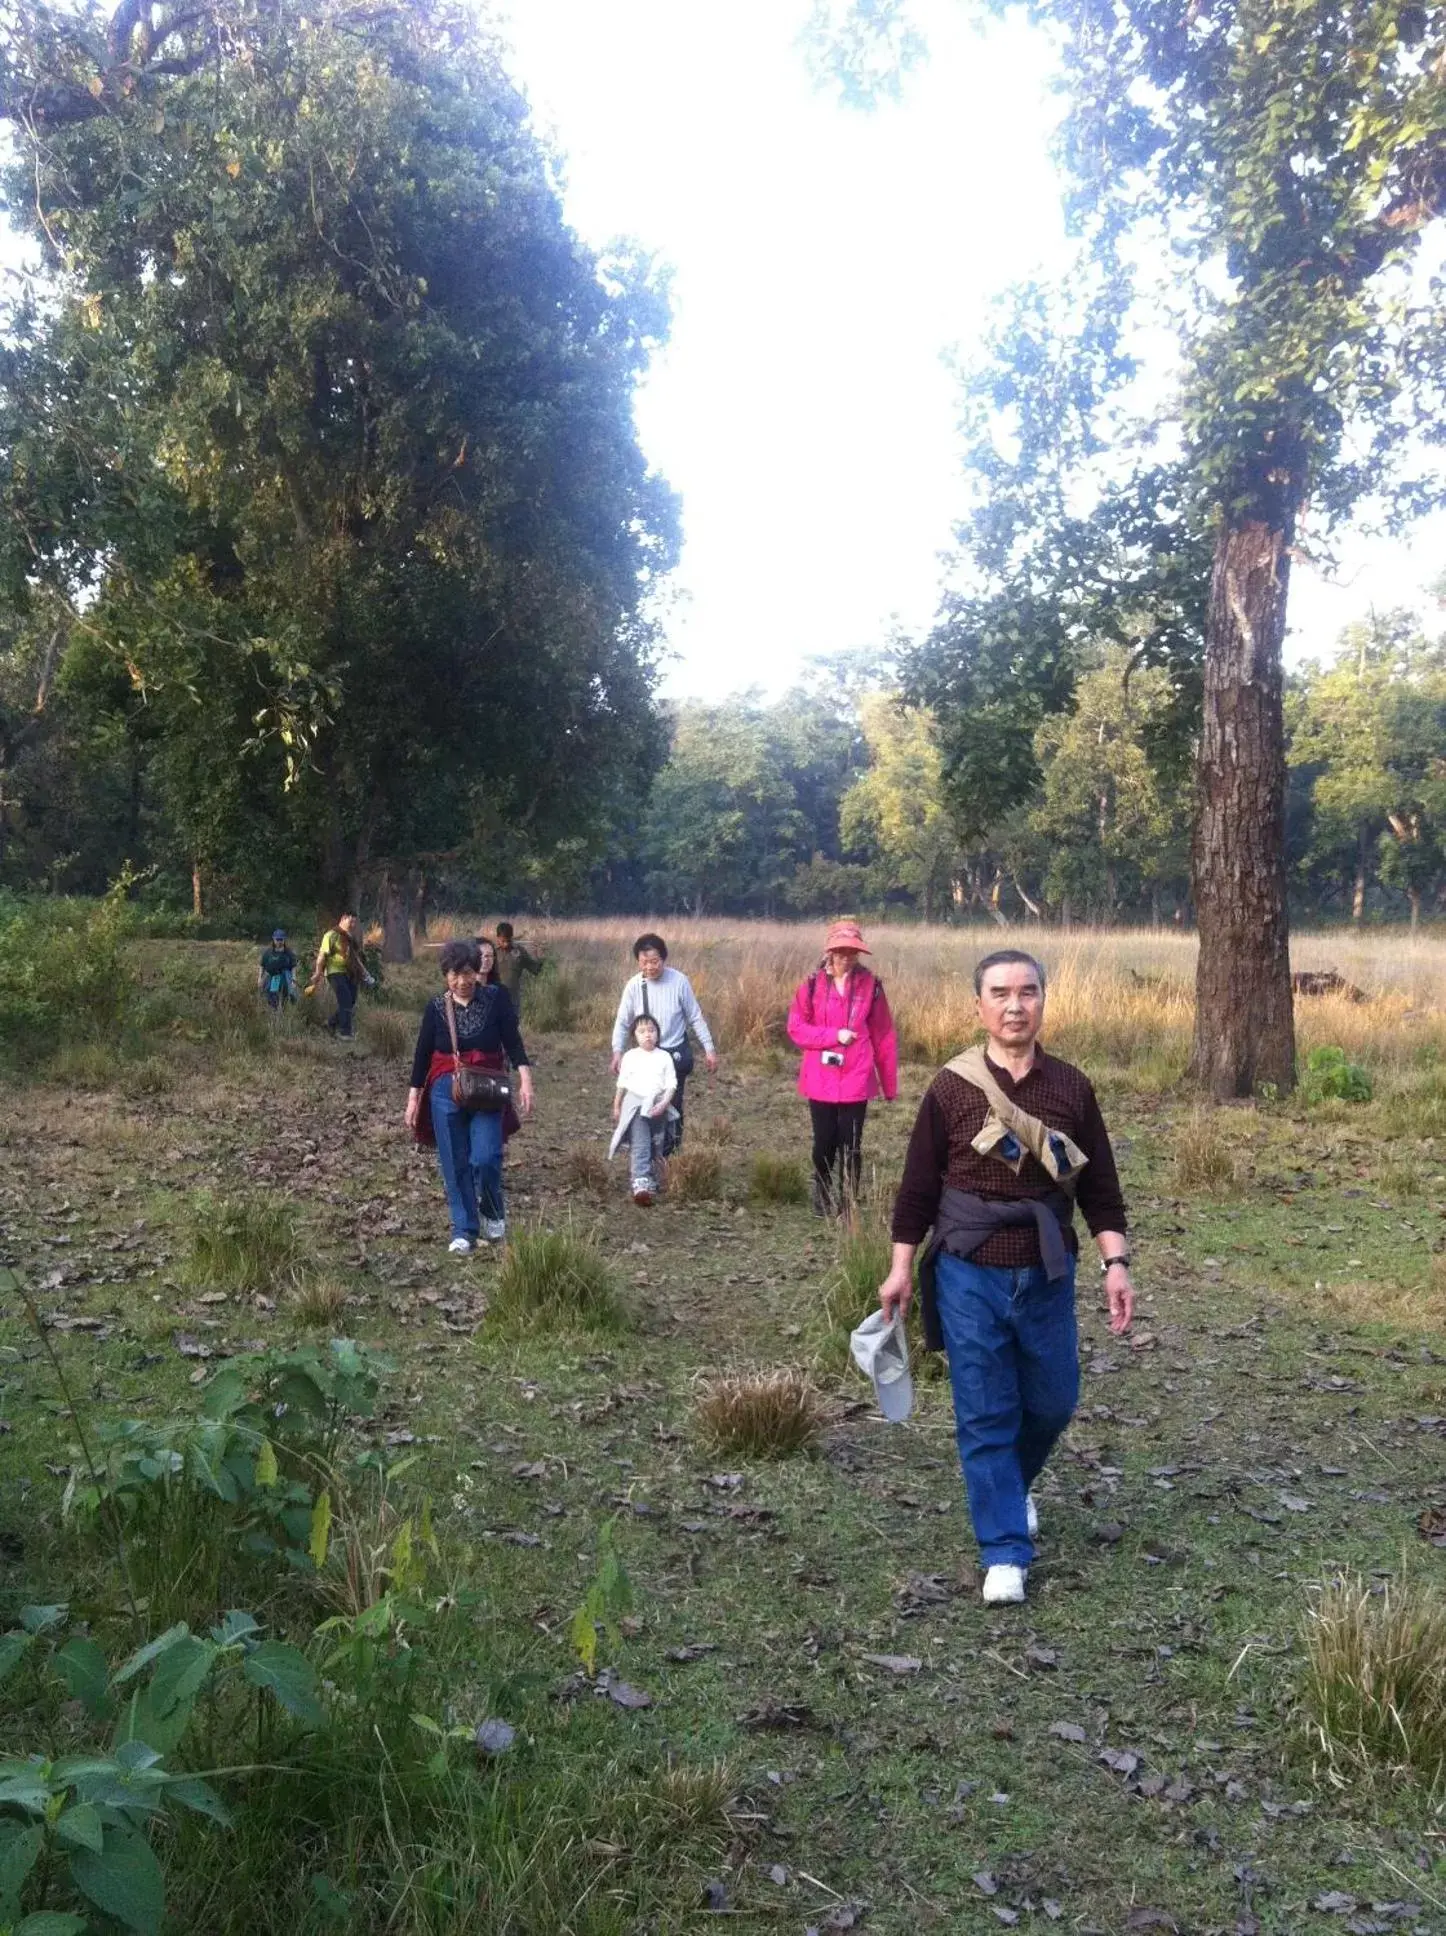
{"points": [[647, 1080]]}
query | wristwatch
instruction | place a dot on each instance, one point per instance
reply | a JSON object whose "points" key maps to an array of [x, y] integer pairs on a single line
{"points": [[1108, 1263]]}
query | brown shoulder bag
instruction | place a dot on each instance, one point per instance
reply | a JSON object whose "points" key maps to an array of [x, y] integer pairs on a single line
{"points": [[474, 1088]]}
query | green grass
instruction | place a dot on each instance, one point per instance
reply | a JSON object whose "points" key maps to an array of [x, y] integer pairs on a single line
{"points": [[1289, 1347], [240, 1243], [777, 1179], [554, 1280]]}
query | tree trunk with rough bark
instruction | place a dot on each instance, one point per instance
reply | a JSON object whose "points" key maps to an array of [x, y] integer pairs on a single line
{"points": [[1244, 1018], [1358, 892], [396, 920], [197, 899]]}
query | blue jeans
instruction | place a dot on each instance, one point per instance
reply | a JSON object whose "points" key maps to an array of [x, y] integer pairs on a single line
{"points": [[1014, 1366], [469, 1153], [646, 1141], [344, 988]]}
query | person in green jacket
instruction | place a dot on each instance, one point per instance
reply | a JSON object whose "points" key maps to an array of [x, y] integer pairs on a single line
{"points": [[513, 962]]}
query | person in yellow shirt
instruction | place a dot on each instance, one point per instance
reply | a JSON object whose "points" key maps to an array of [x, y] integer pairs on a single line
{"points": [[340, 959]]}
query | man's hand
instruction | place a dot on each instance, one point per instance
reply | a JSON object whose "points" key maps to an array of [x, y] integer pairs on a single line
{"points": [[616, 1063], [524, 1091], [712, 1060], [897, 1291], [1121, 1295]]}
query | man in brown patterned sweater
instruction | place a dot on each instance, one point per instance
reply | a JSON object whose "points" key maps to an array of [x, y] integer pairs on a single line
{"points": [[995, 1177]]}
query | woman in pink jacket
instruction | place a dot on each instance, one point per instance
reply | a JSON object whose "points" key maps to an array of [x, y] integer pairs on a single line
{"points": [[840, 1019]]}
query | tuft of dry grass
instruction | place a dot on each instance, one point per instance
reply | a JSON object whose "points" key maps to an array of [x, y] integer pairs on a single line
{"points": [[1375, 1682], [586, 1168], [759, 1414], [1204, 1159], [318, 1302], [695, 1174], [387, 1033], [777, 1179]]}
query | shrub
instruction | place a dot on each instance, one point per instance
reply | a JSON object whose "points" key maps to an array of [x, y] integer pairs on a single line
{"points": [[777, 1179], [695, 1174], [1330, 1076], [241, 1243], [1375, 1685], [1204, 1159], [759, 1414], [62, 966], [552, 1280]]}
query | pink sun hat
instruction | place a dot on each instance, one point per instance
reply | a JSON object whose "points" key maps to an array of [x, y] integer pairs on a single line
{"points": [[846, 934]]}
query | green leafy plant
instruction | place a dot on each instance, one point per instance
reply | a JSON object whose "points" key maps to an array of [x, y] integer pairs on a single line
{"points": [[609, 1596], [78, 1825], [1331, 1075]]}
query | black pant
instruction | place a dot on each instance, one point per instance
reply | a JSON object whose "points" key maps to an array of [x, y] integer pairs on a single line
{"points": [[344, 988], [838, 1145]]}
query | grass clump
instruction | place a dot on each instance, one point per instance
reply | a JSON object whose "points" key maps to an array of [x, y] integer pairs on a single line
{"points": [[851, 1290], [1204, 1159], [759, 1414], [695, 1174], [1375, 1687], [586, 1168], [777, 1179], [239, 1243], [318, 1302], [554, 1280], [387, 1033]]}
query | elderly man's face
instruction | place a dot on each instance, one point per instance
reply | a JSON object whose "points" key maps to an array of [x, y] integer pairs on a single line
{"points": [[1011, 1003], [651, 963]]}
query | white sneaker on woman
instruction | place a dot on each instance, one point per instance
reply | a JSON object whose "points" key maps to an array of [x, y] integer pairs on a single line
{"points": [[1004, 1586], [461, 1246], [494, 1229]]}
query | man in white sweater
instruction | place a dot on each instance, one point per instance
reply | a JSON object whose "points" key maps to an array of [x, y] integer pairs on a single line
{"points": [[668, 997]]}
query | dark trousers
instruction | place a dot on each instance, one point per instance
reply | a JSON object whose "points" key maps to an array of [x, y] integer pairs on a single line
{"points": [[344, 988], [838, 1151]]}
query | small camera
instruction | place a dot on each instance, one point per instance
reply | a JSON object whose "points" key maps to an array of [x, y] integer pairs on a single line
{"points": [[832, 1058]]}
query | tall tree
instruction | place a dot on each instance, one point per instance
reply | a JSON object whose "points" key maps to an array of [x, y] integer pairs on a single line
{"points": [[898, 808], [1290, 155], [321, 419]]}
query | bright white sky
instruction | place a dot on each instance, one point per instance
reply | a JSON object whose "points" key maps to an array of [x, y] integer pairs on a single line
{"points": [[823, 263]]}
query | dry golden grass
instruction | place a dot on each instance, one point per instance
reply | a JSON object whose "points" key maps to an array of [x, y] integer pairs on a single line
{"points": [[1122, 998], [387, 1032], [586, 1168], [777, 1179], [1375, 1686], [1204, 1154], [695, 1174], [759, 1414], [318, 1302]]}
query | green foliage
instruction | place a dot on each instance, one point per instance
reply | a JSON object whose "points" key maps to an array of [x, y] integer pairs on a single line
{"points": [[87, 1816], [63, 973], [1331, 1076], [609, 1596], [370, 483]]}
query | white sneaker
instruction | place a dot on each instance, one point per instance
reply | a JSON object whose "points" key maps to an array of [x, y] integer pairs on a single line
{"points": [[461, 1246], [494, 1229], [1004, 1586], [1031, 1516]]}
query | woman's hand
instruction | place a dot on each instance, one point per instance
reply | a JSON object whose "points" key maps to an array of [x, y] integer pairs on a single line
{"points": [[414, 1107], [524, 1090], [845, 1036]]}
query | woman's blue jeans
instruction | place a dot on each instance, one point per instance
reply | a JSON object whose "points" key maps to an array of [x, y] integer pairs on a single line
{"points": [[1014, 1365], [469, 1153]]}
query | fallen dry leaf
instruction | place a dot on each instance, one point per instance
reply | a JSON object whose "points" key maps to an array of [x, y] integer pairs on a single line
{"points": [[894, 1663], [1066, 1731]]}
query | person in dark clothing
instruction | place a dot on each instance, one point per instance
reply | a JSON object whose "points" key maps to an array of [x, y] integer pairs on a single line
{"points": [[469, 1142], [276, 976], [1006, 1141]]}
